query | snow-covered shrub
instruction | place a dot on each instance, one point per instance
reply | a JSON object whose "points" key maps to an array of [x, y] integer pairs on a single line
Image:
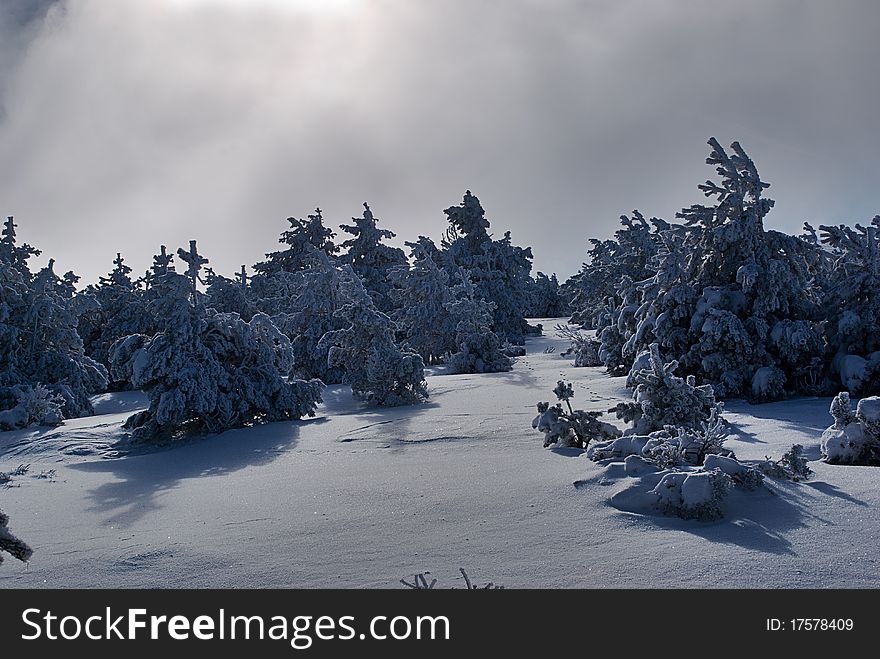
{"points": [[670, 447], [478, 348], [855, 436], [661, 399], [744, 475], [584, 349], [208, 371], [371, 258], [22, 406], [767, 384], [792, 466], [571, 429], [693, 495], [10, 544], [378, 371]]}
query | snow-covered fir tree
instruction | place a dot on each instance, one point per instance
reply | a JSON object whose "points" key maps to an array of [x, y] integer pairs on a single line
{"points": [[45, 374], [734, 304], [302, 235], [546, 300], [208, 371], [499, 269], [120, 310], [628, 254], [371, 258], [229, 295], [478, 348], [319, 292], [421, 296], [852, 305], [378, 371]]}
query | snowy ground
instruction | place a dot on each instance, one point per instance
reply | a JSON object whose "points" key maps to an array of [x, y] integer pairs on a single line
{"points": [[360, 498]]}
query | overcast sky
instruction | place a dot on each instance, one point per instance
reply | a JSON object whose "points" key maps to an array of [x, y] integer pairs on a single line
{"points": [[127, 123]]}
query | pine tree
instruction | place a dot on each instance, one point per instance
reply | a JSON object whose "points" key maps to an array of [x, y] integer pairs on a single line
{"points": [[478, 347], [119, 309], [370, 258], [499, 269], [421, 295], [44, 372], [378, 371], [208, 371], [311, 232]]}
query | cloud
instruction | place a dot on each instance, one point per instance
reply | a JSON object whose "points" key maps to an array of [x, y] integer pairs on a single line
{"points": [[130, 124]]}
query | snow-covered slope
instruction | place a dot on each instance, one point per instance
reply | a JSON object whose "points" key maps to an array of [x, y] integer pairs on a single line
{"points": [[361, 497]]}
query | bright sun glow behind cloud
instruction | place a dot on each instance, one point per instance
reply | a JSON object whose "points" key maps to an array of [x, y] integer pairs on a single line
{"points": [[305, 6]]}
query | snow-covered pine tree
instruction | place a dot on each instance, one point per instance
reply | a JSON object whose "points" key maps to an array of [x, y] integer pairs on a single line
{"points": [[10, 544], [499, 269], [757, 301], [120, 310], [44, 372], [421, 296], [229, 295], [852, 305], [317, 294], [10, 251], [628, 255], [302, 233], [546, 300], [371, 258], [378, 371], [208, 371], [478, 348]]}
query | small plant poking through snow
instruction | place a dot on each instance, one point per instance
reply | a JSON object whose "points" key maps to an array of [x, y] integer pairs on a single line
{"points": [[792, 466], [420, 582], [572, 428], [855, 436], [10, 544], [662, 399]]}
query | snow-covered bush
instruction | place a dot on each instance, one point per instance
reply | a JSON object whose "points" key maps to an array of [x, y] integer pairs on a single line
{"points": [[208, 371], [22, 406], [693, 495], [378, 371], [584, 349], [855, 436], [792, 466], [478, 348], [572, 428], [661, 399], [10, 544]]}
